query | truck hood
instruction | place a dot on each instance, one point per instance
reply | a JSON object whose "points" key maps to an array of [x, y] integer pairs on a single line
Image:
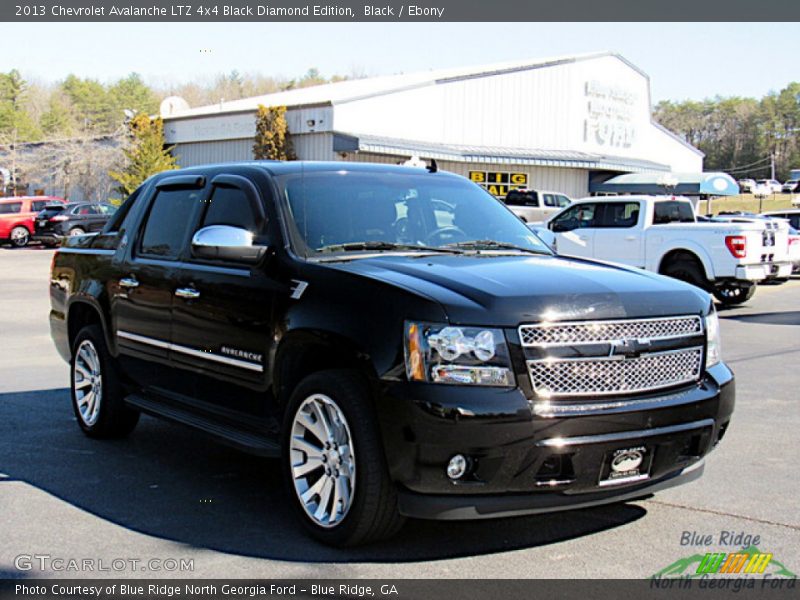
{"points": [[491, 290]]}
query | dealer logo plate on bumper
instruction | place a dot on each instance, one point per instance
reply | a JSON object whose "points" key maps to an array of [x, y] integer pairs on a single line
{"points": [[626, 465]]}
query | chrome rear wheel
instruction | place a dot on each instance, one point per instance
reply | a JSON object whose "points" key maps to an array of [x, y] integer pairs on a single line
{"points": [[20, 237], [96, 390], [87, 382]]}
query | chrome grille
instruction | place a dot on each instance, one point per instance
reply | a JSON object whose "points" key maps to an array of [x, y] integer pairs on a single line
{"points": [[614, 375], [606, 332]]}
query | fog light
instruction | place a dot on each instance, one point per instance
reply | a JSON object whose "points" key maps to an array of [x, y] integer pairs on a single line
{"points": [[457, 466]]}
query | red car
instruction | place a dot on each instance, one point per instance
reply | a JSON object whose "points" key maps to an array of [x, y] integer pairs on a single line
{"points": [[17, 216]]}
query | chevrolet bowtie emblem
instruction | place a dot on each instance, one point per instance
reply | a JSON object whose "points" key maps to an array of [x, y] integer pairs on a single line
{"points": [[629, 348]]}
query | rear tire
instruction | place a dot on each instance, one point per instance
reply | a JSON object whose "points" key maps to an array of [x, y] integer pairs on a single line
{"points": [[686, 270], [358, 499], [96, 390], [76, 231], [19, 237], [731, 294]]}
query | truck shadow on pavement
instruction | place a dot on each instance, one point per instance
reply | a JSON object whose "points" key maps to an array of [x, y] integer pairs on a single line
{"points": [[171, 482]]}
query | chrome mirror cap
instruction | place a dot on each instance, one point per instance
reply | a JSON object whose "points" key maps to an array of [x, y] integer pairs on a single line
{"points": [[226, 243]]}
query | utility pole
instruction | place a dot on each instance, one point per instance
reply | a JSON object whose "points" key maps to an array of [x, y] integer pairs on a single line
{"points": [[772, 165]]}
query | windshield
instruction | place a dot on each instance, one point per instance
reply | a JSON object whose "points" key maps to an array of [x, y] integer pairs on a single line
{"points": [[351, 211]]}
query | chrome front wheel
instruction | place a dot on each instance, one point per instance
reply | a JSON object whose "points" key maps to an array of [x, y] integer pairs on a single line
{"points": [[322, 457], [87, 382]]}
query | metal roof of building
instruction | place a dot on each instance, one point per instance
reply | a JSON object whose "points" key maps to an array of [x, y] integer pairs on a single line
{"points": [[689, 184], [355, 89], [345, 142]]}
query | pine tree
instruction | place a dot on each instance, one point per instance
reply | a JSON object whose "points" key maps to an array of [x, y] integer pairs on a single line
{"points": [[145, 156], [272, 134]]}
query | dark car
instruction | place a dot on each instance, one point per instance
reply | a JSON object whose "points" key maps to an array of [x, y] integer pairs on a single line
{"points": [[400, 340], [58, 221]]}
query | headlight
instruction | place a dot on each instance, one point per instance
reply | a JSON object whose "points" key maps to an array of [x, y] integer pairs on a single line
{"points": [[713, 344], [461, 355]]}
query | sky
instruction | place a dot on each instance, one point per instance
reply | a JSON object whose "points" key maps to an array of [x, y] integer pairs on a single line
{"points": [[683, 60]]}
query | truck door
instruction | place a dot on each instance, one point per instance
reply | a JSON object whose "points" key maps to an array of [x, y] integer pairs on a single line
{"points": [[144, 280], [222, 317], [618, 237], [574, 229]]}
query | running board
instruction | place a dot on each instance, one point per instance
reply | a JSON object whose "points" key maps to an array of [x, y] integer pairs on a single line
{"points": [[229, 434]]}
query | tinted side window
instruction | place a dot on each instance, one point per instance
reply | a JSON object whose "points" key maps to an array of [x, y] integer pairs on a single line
{"points": [[578, 217], [531, 199], [168, 222], [515, 199], [550, 200], [672, 212], [621, 214], [230, 206], [10, 207], [38, 205]]}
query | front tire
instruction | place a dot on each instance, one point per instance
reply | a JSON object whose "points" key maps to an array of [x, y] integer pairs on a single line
{"points": [[96, 390], [731, 294], [334, 464], [19, 237], [76, 231]]}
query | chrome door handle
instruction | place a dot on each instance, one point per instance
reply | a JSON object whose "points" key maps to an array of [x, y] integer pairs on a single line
{"points": [[188, 293], [630, 238], [128, 282]]}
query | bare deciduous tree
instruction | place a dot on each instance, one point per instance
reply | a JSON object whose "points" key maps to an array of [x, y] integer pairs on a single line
{"points": [[68, 167]]}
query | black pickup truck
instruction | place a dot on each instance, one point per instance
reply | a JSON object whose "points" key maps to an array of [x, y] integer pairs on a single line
{"points": [[400, 340]]}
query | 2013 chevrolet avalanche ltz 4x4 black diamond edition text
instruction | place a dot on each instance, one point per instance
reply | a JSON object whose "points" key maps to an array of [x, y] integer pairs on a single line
{"points": [[400, 340]]}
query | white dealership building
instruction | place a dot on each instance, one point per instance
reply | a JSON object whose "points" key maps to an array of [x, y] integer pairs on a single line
{"points": [[559, 124]]}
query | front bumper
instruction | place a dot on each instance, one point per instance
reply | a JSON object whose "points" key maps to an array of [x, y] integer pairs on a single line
{"points": [[528, 460], [763, 271], [457, 508]]}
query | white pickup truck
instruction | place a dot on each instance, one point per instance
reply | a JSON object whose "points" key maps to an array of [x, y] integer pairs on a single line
{"points": [[662, 234]]}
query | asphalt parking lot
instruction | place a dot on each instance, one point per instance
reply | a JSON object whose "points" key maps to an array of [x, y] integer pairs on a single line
{"points": [[167, 493]]}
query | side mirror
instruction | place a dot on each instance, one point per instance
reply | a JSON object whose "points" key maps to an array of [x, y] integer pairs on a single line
{"points": [[224, 242], [547, 236], [560, 226]]}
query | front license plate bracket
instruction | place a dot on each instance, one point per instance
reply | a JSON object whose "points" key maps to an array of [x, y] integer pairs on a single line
{"points": [[626, 465]]}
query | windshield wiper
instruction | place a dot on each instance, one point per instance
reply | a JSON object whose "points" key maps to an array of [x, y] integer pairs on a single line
{"points": [[493, 245], [380, 245]]}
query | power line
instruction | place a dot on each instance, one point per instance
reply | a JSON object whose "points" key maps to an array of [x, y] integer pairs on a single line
{"points": [[759, 162], [748, 170]]}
